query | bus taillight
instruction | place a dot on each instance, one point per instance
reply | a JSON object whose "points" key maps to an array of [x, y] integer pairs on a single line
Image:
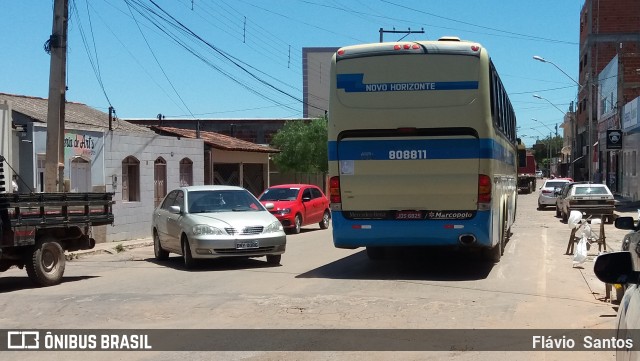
{"points": [[334, 190], [484, 189]]}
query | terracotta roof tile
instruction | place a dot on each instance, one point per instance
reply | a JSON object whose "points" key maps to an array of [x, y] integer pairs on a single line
{"points": [[217, 140], [77, 115]]}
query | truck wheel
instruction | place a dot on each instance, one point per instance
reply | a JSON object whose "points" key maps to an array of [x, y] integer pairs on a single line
{"points": [[46, 264]]}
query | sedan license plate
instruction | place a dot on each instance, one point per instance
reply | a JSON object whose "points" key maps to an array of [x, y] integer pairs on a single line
{"points": [[247, 245], [409, 215]]}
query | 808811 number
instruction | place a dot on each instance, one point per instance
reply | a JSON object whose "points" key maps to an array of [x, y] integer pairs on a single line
{"points": [[408, 154]]}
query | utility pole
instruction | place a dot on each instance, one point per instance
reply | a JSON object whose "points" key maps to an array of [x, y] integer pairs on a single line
{"points": [[394, 31], [57, 46]]}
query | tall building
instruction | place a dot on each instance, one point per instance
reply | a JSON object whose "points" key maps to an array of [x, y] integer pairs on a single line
{"points": [[609, 68], [316, 68]]}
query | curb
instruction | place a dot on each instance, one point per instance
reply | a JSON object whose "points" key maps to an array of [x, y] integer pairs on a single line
{"points": [[102, 248]]}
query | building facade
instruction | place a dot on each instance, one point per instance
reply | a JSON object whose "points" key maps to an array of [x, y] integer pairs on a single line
{"points": [[608, 75], [140, 165], [316, 73]]}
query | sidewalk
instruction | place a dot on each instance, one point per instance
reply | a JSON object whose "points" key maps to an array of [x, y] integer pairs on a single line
{"points": [[113, 247], [626, 207]]}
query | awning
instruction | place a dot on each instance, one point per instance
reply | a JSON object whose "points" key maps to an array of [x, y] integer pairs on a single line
{"points": [[566, 150]]}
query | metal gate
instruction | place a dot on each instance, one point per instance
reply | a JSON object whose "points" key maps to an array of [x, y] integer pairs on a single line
{"points": [[253, 178], [159, 180], [229, 174]]}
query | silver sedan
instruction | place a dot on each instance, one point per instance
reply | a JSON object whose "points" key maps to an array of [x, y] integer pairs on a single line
{"points": [[213, 222]]}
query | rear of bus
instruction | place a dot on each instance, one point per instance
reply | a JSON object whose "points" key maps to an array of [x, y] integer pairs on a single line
{"points": [[410, 145]]}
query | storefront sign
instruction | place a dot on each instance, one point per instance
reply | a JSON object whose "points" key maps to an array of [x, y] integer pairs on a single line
{"points": [[614, 139], [630, 115]]}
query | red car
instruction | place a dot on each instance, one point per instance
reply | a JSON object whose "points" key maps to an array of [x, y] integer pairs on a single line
{"points": [[297, 205]]}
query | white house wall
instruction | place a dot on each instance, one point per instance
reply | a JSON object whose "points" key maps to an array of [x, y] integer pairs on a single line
{"points": [[133, 219], [87, 144]]}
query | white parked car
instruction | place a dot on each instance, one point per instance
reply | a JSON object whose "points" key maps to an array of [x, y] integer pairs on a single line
{"points": [[200, 222], [589, 198], [547, 196]]}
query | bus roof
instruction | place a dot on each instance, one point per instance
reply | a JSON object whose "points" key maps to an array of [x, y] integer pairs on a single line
{"points": [[447, 45]]}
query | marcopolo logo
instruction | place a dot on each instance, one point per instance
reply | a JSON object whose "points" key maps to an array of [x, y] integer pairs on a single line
{"points": [[450, 214]]}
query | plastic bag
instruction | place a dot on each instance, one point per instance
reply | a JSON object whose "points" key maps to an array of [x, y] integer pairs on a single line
{"points": [[580, 254], [574, 219]]}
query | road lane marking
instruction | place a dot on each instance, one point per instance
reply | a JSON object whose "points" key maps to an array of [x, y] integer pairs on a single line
{"points": [[542, 273]]}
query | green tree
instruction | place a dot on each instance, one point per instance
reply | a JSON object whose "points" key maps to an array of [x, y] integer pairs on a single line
{"points": [[303, 146]]}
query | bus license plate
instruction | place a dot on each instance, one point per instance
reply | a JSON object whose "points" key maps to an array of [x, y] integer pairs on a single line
{"points": [[409, 215], [247, 245]]}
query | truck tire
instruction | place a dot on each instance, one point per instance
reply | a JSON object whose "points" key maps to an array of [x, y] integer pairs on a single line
{"points": [[45, 266]]}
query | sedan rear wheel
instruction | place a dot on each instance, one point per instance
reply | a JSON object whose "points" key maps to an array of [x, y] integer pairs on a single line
{"points": [[324, 224]]}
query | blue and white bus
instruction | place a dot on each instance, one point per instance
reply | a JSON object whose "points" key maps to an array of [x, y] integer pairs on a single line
{"points": [[422, 148]]}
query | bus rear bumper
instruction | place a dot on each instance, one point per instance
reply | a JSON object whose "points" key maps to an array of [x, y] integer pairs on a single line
{"points": [[351, 234]]}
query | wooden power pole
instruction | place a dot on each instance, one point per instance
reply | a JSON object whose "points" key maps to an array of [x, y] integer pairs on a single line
{"points": [[57, 46]]}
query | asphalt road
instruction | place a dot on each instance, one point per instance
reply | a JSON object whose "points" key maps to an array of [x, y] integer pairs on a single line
{"points": [[533, 287]]}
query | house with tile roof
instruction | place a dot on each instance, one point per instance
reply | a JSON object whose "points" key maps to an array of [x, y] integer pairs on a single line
{"points": [[229, 160], [136, 163], [253, 130]]}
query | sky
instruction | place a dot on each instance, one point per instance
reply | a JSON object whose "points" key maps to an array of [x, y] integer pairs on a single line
{"points": [[243, 58]]}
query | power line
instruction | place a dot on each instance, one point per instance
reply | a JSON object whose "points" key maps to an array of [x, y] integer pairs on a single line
{"points": [[228, 57], [95, 64], [156, 58], [182, 29], [527, 36]]}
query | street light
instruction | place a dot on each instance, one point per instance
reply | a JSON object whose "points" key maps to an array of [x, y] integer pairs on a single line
{"points": [[590, 125], [548, 143], [539, 58], [548, 101]]}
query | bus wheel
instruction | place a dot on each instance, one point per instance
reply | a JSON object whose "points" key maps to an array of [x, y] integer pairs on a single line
{"points": [[375, 253], [495, 253]]}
